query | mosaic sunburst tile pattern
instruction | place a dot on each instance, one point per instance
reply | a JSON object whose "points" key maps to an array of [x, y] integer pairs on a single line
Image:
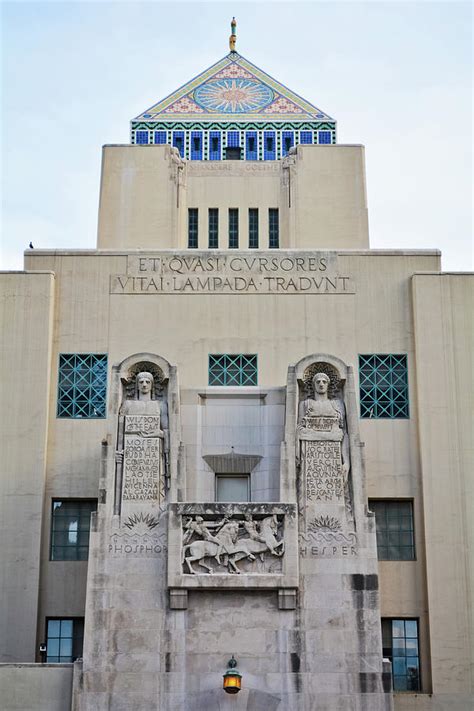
{"points": [[233, 96]]}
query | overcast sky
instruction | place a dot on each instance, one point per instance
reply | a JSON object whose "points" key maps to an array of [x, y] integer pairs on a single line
{"points": [[397, 76]]}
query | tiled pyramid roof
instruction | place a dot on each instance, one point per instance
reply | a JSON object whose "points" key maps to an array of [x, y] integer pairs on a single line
{"points": [[231, 89]]}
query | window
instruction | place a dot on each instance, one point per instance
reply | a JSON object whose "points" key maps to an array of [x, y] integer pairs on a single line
{"points": [[269, 152], [288, 140], [273, 228], [160, 137], [64, 639], [232, 151], [178, 142], [214, 145], [400, 645], [196, 145], [70, 526], [213, 228], [82, 385], [225, 369], [141, 137], [306, 136], [233, 228], [193, 228], [251, 145], [394, 523], [232, 487], [383, 386], [253, 228], [324, 137]]}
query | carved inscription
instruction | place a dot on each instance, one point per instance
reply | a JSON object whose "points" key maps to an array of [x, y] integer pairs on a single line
{"points": [[260, 273], [142, 458], [324, 481]]}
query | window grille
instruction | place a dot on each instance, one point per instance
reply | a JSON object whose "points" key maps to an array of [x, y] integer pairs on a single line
{"points": [[64, 640], [273, 228], [251, 145], [225, 369], [70, 527], [214, 145], [306, 137], [141, 137], [82, 385], [196, 145], [233, 228], [288, 140], [253, 228], [324, 137], [160, 137], [383, 386], [400, 645], [269, 145], [395, 534], [178, 142], [193, 228], [213, 228]]}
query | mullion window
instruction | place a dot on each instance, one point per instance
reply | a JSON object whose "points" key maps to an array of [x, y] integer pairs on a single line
{"points": [[229, 370], [383, 386], [193, 228], [273, 228], [70, 527], [82, 385], [233, 228], [395, 529], [64, 639], [253, 228], [213, 228], [400, 643]]}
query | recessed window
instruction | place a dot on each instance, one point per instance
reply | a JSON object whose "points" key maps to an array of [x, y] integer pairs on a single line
{"points": [[82, 385], [230, 369], [400, 645], [141, 137], [213, 228], [395, 534], [233, 228], [383, 386], [70, 527], [215, 145], [269, 142], [251, 152], [193, 228], [273, 228], [64, 639], [288, 140], [196, 145], [232, 487], [178, 142], [253, 228]]}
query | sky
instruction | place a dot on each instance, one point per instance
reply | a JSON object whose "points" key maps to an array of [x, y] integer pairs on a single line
{"points": [[397, 77]]}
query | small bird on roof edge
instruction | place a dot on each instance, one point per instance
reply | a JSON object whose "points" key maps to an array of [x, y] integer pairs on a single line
{"points": [[31, 245]]}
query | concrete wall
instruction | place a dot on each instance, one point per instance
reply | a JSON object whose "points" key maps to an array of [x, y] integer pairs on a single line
{"points": [[27, 327], [36, 687], [445, 384], [146, 192]]}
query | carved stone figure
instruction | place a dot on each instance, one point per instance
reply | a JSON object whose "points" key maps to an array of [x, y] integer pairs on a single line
{"points": [[323, 444], [143, 441], [227, 540]]}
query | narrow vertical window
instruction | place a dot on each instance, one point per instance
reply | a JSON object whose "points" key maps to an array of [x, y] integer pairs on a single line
{"points": [[214, 145], [287, 142], [196, 145], [251, 145], [213, 228], [269, 145], [253, 228], [273, 228], [400, 645], [178, 142], [233, 228], [193, 228]]}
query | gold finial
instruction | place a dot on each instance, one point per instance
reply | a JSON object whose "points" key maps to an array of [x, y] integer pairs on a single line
{"points": [[233, 35]]}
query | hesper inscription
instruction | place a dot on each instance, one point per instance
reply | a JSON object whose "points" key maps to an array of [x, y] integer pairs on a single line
{"points": [[181, 273], [324, 480], [142, 457]]}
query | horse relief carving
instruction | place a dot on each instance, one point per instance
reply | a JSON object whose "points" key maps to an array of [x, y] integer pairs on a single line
{"points": [[217, 545]]}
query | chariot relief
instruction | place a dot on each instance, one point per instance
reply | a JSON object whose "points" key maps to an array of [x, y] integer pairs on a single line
{"points": [[217, 546]]}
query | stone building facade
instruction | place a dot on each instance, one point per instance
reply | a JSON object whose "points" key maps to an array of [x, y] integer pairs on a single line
{"points": [[266, 424]]}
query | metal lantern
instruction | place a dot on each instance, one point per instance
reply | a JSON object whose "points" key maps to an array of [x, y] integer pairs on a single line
{"points": [[232, 677]]}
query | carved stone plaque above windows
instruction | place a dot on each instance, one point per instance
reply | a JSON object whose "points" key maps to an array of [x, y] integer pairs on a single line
{"points": [[217, 545]]}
